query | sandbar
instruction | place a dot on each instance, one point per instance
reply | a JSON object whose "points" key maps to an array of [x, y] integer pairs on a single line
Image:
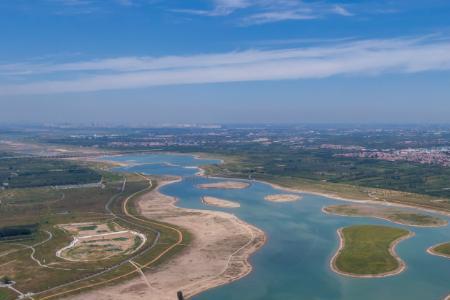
{"points": [[226, 185], [213, 201], [282, 197]]}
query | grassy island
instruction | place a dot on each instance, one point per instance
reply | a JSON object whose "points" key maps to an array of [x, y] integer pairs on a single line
{"points": [[394, 215], [440, 250], [369, 251]]}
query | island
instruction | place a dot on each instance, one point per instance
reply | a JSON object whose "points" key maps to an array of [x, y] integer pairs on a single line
{"points": [[282, 197], [368, 251], [442, 250], [226, 185], [394, 215], [218, 202]]}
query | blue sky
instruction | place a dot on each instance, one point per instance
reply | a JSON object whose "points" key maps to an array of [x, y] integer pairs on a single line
{"points": [[150, 61]]}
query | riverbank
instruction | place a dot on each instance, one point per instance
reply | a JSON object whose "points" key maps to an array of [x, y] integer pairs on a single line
{"points": [[218, 253], [401, 264]]}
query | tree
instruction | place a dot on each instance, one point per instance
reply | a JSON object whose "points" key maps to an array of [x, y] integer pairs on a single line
{"points": [[6, 280], [180, 295]]}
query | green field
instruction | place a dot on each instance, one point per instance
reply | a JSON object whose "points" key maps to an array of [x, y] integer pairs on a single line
{"points": [[366, 250], [37, 172], [6, 294], [388, 213], [443, 249]]}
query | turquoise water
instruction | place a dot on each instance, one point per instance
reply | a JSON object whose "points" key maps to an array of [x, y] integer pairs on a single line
{"points": [[294, 263]]}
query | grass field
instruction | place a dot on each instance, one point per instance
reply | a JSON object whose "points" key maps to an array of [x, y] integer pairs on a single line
{"points": [[366, 250], [36, 172], [5, 294], [442, 249], [388, 213]]}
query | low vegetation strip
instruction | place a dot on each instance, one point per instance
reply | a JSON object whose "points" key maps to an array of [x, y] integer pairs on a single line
{"points": [[20, 231], [5, 294], [38, 172], [395, 215], [368, 251], [442, 250]]}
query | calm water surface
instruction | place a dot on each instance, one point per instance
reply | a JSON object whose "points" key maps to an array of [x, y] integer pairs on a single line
{"points": [[294, 264]]}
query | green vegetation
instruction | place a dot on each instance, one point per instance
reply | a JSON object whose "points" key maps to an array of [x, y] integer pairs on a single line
{"points": [[6, 294], [93, 227], [37, 172], [417, 219], [388, 213], [21, 231], [6, 280], [366, 250], [442, 249]]}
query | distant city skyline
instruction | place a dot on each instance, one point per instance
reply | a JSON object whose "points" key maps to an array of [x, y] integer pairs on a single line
{"points": [[224, 61]]}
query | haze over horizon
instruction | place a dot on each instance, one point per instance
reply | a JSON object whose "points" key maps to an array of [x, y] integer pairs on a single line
{"points": [[225, 61]]}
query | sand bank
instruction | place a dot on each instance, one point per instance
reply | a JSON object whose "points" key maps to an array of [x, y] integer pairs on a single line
{"points": [[282, 197], [213, 201], [218, 253], [225, 185]]}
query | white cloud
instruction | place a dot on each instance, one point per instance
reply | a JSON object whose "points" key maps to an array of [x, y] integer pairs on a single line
{"points": [[277, 16], [364, 57], [340, 10], [221, 8], [269, 11]]}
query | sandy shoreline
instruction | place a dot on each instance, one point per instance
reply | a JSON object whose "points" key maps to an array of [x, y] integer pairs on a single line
{"points": [[218, 202], [401, 264], [431, 251], [218, 253]]}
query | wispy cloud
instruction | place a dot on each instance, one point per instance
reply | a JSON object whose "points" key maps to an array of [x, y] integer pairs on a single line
{"points": [[85, 7], [362, 57], [277, 16], [219, 8], [340, 10], [269, 11]]}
